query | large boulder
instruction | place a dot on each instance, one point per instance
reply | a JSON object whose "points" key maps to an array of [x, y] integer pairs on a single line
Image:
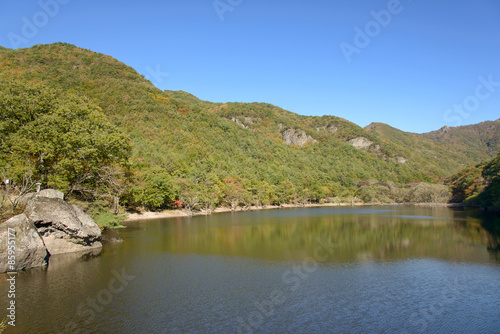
{"points": [[29, 251], [49, 193], [63, 227]]}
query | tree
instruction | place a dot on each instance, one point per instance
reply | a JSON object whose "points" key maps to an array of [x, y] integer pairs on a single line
{"points": [[68, 140], [113, 182], [285, 192], [155, 189], [20, 104], [189, 194], [264, 193], [210, 192], [14, 189], [304, 195], [233, 192]]}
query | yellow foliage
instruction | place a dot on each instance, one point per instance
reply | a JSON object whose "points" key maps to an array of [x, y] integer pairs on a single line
{"points": [[159, 98]]}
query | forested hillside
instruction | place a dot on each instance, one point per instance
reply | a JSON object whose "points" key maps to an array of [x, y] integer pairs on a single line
{"points": [[478, 185], [150, 148], [432, 156], [480, 141]]}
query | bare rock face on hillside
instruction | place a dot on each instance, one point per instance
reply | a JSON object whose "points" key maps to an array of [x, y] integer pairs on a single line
{"points": [[247, 121], [63, 227], [329, 128], [360, 143], [297, 137], [445, 129], [29, 251]]}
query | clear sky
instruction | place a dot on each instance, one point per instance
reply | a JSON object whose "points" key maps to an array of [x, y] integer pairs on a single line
{"points": [[414, 64]]}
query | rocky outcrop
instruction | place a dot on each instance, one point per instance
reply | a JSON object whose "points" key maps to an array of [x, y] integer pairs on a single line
{"points": [[63, 227], [360, 143], [29, 250], [445, 129], [297, 137], [329, 128], [247, 121]]}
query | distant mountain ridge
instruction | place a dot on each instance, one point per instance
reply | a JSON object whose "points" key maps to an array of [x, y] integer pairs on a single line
{"points": [[483, 137]]}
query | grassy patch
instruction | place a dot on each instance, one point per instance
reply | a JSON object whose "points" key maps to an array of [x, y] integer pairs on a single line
{"points": [[108, 220]]}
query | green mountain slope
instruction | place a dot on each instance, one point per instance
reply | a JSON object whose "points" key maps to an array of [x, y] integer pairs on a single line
{"points": [[187, 143], [479, 141], [430, 155]]}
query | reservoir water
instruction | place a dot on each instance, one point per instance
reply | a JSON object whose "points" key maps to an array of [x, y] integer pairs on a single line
{"points": [[390, 269]]}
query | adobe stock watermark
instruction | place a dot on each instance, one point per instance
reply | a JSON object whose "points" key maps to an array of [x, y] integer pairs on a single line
{"points": [[372, 29], [293, 280], [11, 261], [156, 76], [221, 7], [88, 309], [30, 26], [461, 111]]}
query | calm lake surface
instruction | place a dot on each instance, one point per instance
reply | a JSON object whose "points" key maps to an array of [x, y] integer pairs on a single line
{"points": [[391, 269]]}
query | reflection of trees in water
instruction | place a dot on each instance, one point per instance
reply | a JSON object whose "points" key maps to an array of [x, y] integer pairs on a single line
{"points": [[482, 227], [360, 237], [494, 237]]}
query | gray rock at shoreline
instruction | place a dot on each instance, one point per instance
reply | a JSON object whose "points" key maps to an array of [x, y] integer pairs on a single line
{"points": [[47, 227], [48, 193], [63, 227], [30, 250]]}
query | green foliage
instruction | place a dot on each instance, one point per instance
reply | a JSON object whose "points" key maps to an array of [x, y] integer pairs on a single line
{"points": [[429, 193], [3, 325], [436, 159], [412, 193], [66, 140], [479, 141], [108, 220], [479, 185], [178, 147], [153, 190], [100, 212], [376, 193]]}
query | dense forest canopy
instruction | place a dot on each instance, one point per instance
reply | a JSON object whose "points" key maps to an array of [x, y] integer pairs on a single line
{"points": [[86, 124], [478, 185]]}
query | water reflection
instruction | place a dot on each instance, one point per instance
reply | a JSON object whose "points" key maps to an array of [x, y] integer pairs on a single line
{"points": [[481, 227], [359, 234], [387, 270]]}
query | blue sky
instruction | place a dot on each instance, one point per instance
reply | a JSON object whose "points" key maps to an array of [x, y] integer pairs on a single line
{"points": [[414, 64]]}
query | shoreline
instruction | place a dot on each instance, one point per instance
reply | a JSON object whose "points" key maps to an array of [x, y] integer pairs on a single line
{"points": [[149, 215]]}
